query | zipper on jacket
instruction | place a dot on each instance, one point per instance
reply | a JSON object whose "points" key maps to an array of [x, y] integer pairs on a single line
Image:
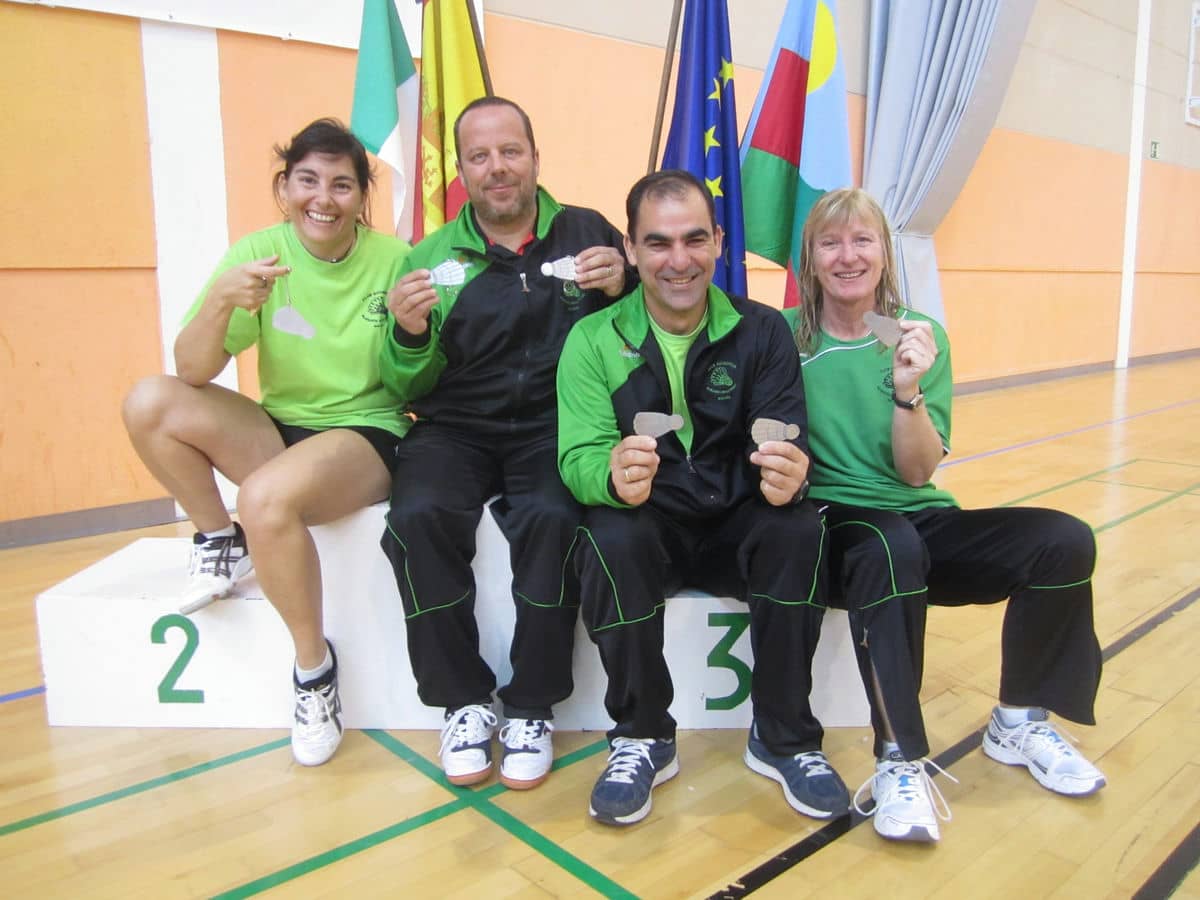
{"points": [[524, 283]]}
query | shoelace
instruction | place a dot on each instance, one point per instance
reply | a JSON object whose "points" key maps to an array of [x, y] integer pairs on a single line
{"points": [[906, 779], [813, 762], [314, 707], [1030, 738], [215, 557], [468, 725], [521, 733], [626, 758]]}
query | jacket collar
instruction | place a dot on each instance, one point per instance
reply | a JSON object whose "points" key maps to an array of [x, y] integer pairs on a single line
{"points": [[632, 320], [467, 235]]}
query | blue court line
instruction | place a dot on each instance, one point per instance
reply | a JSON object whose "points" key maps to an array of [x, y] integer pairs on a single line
{"points": [[21, 695], [1062, 434]]}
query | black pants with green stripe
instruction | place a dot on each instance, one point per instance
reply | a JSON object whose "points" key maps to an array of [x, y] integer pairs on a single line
{"points": [[887, 566], [443, 477], [630, 560]]}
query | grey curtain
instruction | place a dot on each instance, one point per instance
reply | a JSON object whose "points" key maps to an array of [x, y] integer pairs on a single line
{"points": [[937, 72]]}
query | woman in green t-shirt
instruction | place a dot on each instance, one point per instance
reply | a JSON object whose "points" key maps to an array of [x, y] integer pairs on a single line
{"points": [[877, 383], [310, 294]]}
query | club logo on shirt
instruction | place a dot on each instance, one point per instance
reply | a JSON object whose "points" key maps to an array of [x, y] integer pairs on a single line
{"points": [[572, 296], [719, 380], [887, 386], [375, 313]]}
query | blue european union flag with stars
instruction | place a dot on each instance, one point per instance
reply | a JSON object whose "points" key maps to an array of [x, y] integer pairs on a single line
{"points": [[703, 136]]}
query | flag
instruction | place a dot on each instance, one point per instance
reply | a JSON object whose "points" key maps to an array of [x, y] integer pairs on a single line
{"points": [[797, 144], [384, 115], [703, 135], [451, 77]]}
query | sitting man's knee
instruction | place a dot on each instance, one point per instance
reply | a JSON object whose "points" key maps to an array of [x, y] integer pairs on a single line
{"points": [[1073, 541]]}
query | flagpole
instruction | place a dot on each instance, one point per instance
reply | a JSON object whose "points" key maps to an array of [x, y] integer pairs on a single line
{"points": [[662, 87], [487, 76]]}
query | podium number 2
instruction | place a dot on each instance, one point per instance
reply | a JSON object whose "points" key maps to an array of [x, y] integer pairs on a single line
{"points": [[167, 692], [720, 658]]}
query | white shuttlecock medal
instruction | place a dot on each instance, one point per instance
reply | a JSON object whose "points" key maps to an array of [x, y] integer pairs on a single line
{"points": [[561, 268], [450, 273]]}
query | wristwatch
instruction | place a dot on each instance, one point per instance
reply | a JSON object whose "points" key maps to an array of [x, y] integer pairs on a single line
{"points": [[800, 494], [909, 404]]}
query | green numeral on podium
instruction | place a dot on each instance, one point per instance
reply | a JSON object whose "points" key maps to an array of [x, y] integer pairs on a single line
{"points": [[720, 658], [167, 692]]}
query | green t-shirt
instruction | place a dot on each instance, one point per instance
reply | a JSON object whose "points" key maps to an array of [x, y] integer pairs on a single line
{"points": [[848, 391], [675, 349], [331, 378]]}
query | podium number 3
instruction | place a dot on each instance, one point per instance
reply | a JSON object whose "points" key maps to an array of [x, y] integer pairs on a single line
{"points": [[720, 657], [167, 692]]}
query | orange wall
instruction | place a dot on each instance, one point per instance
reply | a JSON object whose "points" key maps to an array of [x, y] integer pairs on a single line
{"points": [[1030, 257], [74, 139], [78, 295], [71, 345], [1167, 290]]}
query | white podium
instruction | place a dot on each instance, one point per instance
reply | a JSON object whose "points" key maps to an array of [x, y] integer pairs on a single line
{"points": [[115, 652]]}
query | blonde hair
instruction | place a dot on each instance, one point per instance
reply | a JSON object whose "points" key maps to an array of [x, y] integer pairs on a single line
{"points": [[837, 208]]}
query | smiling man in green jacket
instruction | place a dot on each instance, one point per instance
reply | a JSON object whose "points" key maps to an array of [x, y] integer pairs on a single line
{"points": [[703, 504]]}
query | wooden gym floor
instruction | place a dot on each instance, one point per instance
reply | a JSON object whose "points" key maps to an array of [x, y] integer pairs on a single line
{"points": [[193, 813]]}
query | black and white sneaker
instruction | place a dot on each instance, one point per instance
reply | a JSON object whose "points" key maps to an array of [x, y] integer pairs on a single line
{"points": [[216, 565], [317, 727]]}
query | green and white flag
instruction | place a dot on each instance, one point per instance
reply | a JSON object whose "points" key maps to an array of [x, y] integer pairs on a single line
{"points": [[386, 104]]}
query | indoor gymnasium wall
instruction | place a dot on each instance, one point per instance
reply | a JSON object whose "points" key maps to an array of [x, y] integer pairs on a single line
{"points": [[1030, 253]]}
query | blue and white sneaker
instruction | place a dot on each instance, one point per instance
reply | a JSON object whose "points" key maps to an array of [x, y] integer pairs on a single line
{"points": [[810, 784], [528, 753], [1037, 745], [907, 802], [466, 751], [635, 767]]}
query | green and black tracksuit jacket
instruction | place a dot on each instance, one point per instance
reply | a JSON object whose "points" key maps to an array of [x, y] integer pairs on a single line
{"points": [[743, 366], [487, 362]]}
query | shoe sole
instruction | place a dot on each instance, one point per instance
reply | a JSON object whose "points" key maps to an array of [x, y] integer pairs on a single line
{"points": [[470, 778], [757, 765], [1011, 758], [314, 761], [517, 784], [921, 834], [664, 774], [207, 598]]}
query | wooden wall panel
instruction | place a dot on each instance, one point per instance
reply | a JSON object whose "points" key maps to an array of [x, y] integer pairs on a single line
{"points": [[76, 155], [71, 345]]}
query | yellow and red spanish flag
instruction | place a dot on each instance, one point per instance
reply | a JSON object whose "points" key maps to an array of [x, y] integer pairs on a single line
{"points": [[451, 77]]}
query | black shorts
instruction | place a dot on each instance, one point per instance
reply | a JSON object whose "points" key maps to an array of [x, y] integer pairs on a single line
{"points": [[384, 442]]}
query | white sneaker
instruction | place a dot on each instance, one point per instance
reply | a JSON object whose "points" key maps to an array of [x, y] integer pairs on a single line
{"points": [[216, 565], [466, 751], [317, 727], [905, 804], [528, 753], [1037, 745]]}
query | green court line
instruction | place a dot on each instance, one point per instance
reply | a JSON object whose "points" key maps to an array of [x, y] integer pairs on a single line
{"points": [[321, 860], [480, 801], [1058, 487], [1136, 487], [1171, 462], [466, 798], [1145, 509], [143, 786]]}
